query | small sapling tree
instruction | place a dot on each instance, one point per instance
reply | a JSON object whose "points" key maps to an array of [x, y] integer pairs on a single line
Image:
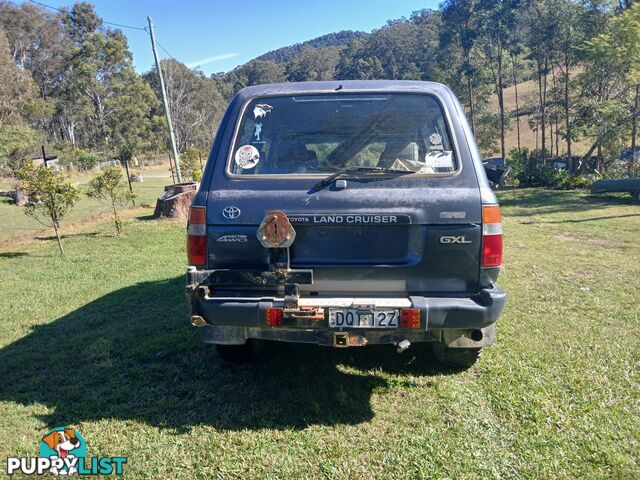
{"points": [[190, 164], [109, 188], [50, 196]]}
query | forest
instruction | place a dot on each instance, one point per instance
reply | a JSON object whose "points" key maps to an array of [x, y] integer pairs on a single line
{"points": [[537, 78]]}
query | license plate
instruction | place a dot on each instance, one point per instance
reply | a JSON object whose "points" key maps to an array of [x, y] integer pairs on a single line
{"points": [[354, 318]]}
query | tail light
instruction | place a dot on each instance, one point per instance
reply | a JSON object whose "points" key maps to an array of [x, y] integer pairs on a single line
{"points": [[197, 236], [410, 318], [491, 236], [274, 317]]}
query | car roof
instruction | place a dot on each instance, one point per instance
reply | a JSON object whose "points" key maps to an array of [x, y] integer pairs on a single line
{"points": [[342, 86]]}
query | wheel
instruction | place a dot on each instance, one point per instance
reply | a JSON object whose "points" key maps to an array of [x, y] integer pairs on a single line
{"points": [[238, 353], [636, 196], [456, 357]]}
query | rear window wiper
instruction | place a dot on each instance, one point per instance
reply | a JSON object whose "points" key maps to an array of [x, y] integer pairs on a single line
{"points": [[327, 180]]}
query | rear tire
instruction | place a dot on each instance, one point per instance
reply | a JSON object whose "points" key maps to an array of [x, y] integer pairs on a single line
{"points": [[237, 353], [456, 357]]}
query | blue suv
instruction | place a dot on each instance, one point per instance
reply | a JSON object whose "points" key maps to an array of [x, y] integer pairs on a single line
{"points": [[345, 213]]}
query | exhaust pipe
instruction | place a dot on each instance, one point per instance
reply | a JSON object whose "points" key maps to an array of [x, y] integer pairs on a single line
{"points": [[476, 335], [198, 321]]}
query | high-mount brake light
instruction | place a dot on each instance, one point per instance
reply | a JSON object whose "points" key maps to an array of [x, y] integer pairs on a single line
{"points": [[197, 236], [491, 236]]}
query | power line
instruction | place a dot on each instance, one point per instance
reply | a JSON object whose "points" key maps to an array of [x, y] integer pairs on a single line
{"points": [[105, 22], [125, 26], [165, 50]]}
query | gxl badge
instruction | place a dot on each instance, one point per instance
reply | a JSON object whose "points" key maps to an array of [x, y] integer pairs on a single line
{"points": [[231, 213], [451, 239]]}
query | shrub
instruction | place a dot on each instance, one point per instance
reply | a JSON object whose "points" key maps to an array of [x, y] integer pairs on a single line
{"points": [[529, 169], [109, 188], [50, 195], [577, 182], [86, 159], [190, 164]]}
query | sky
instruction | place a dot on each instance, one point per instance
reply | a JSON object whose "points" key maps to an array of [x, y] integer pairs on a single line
{"points": [[220, 35]]}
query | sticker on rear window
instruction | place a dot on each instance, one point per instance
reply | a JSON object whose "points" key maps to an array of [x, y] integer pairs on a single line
{"points": [[439, 160], [247, 157], [435, 139], [261, 110]]}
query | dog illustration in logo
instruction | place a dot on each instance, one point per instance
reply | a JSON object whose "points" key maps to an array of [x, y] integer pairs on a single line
{"points": [[62, 442]]}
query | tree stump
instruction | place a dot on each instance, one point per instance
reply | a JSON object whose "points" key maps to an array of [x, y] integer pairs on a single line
{"points": [[175, 201], [17, 195]]}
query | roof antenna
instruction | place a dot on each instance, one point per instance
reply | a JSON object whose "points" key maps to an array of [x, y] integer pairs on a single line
{"points": [[339, 87]]}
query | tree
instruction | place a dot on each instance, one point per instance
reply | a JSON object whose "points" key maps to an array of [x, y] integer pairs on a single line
{"points": [[569, 37], [130, 123], [16, 87], [50, 196], [190, 164], [609, 84], [195, 103], [313, 64], [495, 21], [99, 65], [540, 19], [17, 142], [110, 188], [286, 54], [37, 43], [391, 52], [458, 37]]}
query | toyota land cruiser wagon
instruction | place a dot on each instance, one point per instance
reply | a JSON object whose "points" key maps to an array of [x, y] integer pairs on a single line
{"points": [[345, 214]]}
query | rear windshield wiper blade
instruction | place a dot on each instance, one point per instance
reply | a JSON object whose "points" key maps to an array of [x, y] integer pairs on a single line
{"points": [[327, 180]]}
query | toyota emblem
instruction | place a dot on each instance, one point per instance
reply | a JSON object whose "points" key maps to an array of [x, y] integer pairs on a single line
{"points": [[231, 213]]}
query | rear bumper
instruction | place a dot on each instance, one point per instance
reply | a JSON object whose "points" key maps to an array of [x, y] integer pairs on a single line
{"points": [[233, 320]]}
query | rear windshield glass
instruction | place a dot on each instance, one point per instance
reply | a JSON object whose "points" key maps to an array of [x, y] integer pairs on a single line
{"points": [[322, 134]]}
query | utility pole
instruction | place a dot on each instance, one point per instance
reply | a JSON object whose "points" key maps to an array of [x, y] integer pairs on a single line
{"points": [[172, 137]]}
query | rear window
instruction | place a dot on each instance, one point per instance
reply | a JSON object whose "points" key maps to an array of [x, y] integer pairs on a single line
{"points": [[322, 134]]}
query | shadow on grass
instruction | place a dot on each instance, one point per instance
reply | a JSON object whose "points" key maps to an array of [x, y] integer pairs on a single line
{"points": [[581, 220], [544, 202], [13, 254], [70, 235], [131, 355], [144, 218]]}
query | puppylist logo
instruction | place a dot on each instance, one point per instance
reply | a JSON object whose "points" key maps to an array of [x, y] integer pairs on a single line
{"points": [[63, 451]]}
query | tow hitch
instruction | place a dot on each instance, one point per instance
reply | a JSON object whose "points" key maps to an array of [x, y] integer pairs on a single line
{"points": [[341, 339], [344, 340]]}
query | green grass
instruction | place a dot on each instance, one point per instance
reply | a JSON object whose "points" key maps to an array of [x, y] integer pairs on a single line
{"points": [[16, 226], [100, 340]]}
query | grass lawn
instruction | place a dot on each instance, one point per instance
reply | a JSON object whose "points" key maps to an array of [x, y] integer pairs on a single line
{"points": [[15, 226], [100, 340]]}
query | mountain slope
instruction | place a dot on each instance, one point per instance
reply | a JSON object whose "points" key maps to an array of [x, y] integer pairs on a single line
{"points": [[338, 39]]}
